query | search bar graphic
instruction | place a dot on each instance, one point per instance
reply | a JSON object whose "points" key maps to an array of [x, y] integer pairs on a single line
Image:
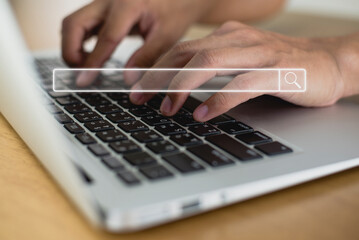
{"points": [[264, 80]]}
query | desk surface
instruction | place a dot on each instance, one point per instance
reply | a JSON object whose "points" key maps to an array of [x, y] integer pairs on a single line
{"points": [[32, 206]]}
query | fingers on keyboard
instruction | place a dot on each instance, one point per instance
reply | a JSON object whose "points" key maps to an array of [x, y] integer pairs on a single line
{"points": [[207, 144]]}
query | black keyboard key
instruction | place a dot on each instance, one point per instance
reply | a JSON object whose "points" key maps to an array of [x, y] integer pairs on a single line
{"points": [[142, 111], [183, 112], [235, 128], [191, 104], [126, 103], [155, 102], [88, 117], [210, 155], [98, 150], [128, 177], [98, 126], [63, 118], [98, 100], [113, 163], [186, 120], [187, 139], [155, 172], [120, 117], [74, 128], [109, 108], [85, 138], [147, 136], [139, 159], [254, 138], [273, 148], [58, 94], [125, 146], [156, 120], [54, 109], [77, 108], [64, 101], [170, 129], [183, 163], [222, 119], [233, 147], [161, 147], [204, 130], [88, 95], [118, 96], [111, 136], [133, 126]]}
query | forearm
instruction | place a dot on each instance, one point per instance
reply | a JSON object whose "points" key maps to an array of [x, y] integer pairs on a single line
{"points": [[347, 56], [241, 10]]}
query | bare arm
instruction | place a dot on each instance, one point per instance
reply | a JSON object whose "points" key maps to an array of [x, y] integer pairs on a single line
{"points": [[241, 10]]}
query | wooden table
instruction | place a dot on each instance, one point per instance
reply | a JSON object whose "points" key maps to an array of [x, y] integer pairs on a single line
{"points": [[33, 207]]}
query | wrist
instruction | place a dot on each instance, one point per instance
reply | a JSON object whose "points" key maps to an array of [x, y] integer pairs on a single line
{"points": [[347, 57]]}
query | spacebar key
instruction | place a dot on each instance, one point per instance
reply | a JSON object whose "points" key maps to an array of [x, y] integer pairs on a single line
{"points": [[233, 147]]}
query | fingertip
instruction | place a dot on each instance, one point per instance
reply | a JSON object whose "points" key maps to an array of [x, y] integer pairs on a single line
{"points": [[201, 113], [131, 76], [166, 106], [81, 80], [85, 78], [136, 96], [73, 58]]}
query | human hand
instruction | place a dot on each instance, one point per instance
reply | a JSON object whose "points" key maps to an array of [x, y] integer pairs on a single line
{"points": [[235, 45], [160, 22]]}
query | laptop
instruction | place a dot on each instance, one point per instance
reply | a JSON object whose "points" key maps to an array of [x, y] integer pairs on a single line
{"points": [[128, 168]]}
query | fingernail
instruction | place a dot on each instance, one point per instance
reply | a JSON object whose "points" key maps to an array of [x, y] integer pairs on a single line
{"points": [[166, 105], [136, 96], [201, 112]]}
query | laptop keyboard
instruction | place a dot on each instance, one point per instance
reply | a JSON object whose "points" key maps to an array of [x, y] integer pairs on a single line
{"points": [[138, 144]]}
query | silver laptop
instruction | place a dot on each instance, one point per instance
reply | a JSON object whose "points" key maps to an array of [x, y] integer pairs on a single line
{"points": [[128, 168]]}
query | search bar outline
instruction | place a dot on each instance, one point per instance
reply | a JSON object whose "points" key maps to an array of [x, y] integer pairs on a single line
{"points": [[300, 89]]}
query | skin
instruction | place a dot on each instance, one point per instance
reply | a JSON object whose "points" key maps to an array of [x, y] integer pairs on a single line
{"points": [[331, 63], [241, 10], [160, 22]]}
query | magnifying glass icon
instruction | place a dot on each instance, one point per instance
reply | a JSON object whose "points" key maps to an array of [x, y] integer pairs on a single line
{"points": [[291, 78]]}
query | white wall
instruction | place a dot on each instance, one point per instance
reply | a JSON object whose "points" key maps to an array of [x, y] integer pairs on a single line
{"points": [[340, 8], [40, 19]]}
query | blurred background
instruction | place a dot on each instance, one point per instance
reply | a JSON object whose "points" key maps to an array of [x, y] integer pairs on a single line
{"points": [[40, 20]]}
